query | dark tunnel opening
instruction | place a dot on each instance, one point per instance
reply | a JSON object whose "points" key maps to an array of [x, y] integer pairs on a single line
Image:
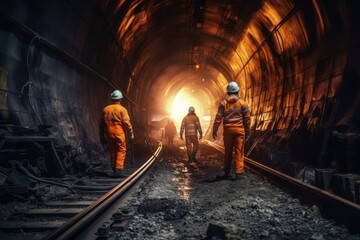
{"points": [[296, 63]]}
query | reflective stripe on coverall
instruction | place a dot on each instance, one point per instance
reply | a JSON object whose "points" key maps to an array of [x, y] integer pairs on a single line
{"points": [[191, 125], [235, 115], [116, 120]]}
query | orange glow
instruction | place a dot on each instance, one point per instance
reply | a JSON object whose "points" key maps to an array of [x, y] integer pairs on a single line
{"points": [[186, 98]]}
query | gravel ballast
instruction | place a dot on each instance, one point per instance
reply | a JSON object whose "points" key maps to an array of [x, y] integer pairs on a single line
{"points": [[181, 201]]}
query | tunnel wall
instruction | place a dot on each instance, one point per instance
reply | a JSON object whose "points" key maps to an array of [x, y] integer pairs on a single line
{"points": [[302, 84], [299, 64], [59, 62]]}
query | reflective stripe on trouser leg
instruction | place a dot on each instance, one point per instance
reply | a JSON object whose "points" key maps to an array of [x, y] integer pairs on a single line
{"points": [[192, 145], [228, 144], [239, 151]]}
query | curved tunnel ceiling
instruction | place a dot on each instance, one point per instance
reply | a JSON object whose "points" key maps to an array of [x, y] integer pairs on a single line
{"points": [[296, 61], [263, 45], [169, 40]]}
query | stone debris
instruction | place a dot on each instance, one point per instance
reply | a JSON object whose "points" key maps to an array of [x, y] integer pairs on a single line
{"points": [[184, 206]]}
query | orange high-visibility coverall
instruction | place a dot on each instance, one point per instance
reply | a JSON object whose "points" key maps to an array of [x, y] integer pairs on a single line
{"points": [[116, 122], [170, 130], [191, 125], [235, 115]]}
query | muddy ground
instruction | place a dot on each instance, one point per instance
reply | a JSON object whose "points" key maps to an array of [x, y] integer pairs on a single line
{"points": [[181, 201]]}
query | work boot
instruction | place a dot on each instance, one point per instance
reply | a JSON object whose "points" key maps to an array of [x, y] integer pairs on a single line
{"points": [[118, 173], [193, 158], [239, 176], [223, 177]]}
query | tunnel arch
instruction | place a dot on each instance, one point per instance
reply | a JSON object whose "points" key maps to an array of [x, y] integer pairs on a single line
{"points": [[295, 61]]}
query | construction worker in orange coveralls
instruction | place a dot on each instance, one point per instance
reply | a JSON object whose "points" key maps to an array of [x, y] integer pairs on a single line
{"points": [[115, 124], [191, 125], [170, 130], [235, 115]]}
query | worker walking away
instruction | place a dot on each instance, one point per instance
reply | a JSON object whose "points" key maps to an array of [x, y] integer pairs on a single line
{"points": [[170, 130], [191, 125], [115, 125], [234, 113]]}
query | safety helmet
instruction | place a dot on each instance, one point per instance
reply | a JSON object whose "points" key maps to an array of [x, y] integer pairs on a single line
{"points": [[191, 109], [232, 87], [116, 95]]}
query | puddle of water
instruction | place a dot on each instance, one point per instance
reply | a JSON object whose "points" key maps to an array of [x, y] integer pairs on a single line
{"points": [[183, 183], [187, 188]]}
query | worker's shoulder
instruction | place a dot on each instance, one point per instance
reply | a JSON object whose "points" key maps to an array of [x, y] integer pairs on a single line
{"points": [[107, 108], [114, 107], [191, 117], [222, 102], [194, 118]]}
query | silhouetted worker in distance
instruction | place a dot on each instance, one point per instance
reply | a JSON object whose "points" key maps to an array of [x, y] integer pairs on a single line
{"points": [[234, 113], [170, 131], [115, 125], [191, 125]]}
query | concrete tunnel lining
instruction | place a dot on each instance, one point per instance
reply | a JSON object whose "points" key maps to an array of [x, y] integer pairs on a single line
{"points": [[295, 62]]}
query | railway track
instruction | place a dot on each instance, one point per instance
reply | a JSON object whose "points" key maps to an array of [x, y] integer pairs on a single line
{"points": [[109, 212], [101, 209], [343, 211]]}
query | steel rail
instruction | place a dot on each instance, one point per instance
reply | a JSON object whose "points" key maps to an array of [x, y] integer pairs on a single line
{"points": [[331, 205], [80, 222]]}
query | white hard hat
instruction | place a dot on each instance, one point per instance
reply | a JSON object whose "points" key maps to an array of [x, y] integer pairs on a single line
{"points": [[232, 87], [191, 109], [116, 95]]}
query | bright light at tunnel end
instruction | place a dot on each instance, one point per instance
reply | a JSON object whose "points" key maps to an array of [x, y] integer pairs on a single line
{"points": [[180, 106]]}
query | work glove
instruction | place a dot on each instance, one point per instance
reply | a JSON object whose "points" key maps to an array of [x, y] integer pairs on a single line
{"points": [[214, 135], [181, 137], [132, 137]]}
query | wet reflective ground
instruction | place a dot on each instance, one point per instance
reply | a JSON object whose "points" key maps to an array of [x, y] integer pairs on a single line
{"points": [[182, 201]]}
